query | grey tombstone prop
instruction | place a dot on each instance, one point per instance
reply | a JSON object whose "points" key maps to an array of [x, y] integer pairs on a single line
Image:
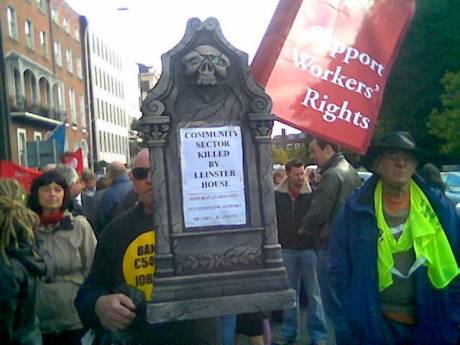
{"points": [[207, 125]]}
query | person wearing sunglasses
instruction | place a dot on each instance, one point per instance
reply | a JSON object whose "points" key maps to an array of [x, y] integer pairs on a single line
{"points": [[124, 258]]}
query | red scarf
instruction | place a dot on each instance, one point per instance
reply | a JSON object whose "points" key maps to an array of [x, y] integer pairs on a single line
{"points": [[51, 219]]}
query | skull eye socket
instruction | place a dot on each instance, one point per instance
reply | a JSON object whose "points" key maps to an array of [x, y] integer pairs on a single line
{"points": [[194, 61], [217, 60]]}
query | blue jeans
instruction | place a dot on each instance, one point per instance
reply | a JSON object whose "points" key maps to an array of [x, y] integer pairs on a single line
{"points": [[227, 329], [332, 304], [301, 264]]}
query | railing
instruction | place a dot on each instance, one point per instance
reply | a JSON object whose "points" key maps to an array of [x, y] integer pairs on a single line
{"points": [[21, 104]]}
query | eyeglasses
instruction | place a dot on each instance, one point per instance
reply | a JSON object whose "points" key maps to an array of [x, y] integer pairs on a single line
{"points": [[140, 173]]}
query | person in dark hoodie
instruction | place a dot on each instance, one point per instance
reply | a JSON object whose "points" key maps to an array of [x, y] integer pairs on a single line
{"points": [[19, 268]]}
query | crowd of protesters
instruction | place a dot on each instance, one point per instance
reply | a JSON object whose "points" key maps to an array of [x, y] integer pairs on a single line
{"points": [[378, 262]]}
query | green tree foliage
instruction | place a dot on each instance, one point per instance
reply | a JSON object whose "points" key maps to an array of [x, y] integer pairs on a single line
{"points": [[445, 123], [300, 153], [280, 156], [431, 47]]}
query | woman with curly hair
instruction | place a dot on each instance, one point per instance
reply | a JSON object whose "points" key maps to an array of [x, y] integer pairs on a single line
{"points": [[19, 267], [67, 244]]}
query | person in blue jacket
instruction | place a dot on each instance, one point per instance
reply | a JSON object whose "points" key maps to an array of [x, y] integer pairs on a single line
{"points": [[394, 253]]}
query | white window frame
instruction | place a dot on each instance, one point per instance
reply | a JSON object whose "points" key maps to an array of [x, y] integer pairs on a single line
{"points": [[69, 60], [43, 37], [72, 107], [22, 157], [41, 5], [58, 53], [54, 15], [76, 34], [79, 68], [82, 112], [38, 136], [66, 25], [12, 22], [29, 33]]}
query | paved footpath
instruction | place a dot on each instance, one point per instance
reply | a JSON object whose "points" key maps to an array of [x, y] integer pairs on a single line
{"points": [[304, 339]]}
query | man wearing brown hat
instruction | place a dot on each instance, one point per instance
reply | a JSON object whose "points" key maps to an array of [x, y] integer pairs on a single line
{"points": [[394, 252]]}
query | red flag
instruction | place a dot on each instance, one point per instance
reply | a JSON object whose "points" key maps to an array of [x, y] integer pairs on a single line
{"points": [[74, 160], [325, 64], [23, 175]]}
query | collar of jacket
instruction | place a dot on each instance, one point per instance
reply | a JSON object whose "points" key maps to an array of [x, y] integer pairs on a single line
{"points": [[284, 188], [65, 224], [332, 162], [121, 179], [363, 198]]}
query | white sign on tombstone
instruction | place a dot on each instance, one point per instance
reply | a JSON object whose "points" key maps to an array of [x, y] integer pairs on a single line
{"points": [[212, 176]]}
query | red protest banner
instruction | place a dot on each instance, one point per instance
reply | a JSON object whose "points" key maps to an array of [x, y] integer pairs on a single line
{"points": [[325, 64], [23, 175], [74, 160]]}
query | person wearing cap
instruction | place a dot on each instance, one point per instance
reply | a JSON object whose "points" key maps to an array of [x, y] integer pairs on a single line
{"points": [[394, 251]]}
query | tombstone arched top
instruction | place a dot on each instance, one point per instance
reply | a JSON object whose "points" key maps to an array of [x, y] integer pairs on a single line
{"points": [[205, 75]]}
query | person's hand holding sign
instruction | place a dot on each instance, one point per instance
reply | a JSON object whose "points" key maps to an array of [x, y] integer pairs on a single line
{"points": [[116, 311]]}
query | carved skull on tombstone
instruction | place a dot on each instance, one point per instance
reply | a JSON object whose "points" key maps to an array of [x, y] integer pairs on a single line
{"points": [[206, 63]]}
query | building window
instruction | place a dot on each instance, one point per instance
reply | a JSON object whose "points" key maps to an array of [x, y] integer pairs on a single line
{"points": [[69, 60], [106, 142], [37, 136], [44, 43], [100, 78], [58, 53], [41, 5], [65, 25], [22, 147], [76, 34], [82, 112], [54, 15], [99, 136], [98, 109], [12, 23], [98, 47], [73, 108], [29, 31], [79, 69]]}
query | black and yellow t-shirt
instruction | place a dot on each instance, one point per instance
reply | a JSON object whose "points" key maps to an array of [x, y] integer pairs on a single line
{"points": [[125, 254]]}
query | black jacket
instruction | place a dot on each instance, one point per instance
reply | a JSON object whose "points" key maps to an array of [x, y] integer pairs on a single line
{"points": [[338, 180], [18, 282], [114, 250], [289, 216]]}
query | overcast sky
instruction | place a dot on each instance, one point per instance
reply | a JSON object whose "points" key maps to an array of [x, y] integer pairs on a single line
{"points": [[145, 29]]}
